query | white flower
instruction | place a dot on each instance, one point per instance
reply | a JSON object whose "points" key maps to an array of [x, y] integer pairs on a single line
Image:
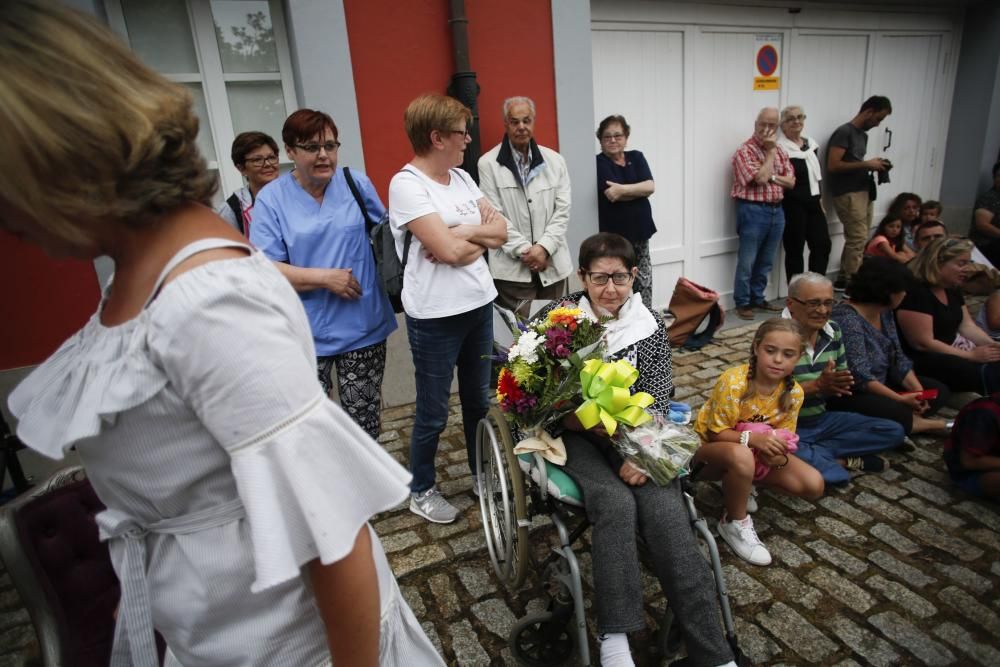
{"points": [[526, 347], [583, 316]]}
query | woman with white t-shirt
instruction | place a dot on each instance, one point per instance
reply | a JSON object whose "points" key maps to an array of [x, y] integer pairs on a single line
{"points": [[447, 290]]}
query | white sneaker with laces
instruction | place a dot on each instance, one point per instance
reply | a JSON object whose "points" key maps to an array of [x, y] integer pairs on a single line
{"points": [[741, 537], [432, 506]]}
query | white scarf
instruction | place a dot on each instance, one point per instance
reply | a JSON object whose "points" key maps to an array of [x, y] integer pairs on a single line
{"points": [[809, 155], [634, 323]]}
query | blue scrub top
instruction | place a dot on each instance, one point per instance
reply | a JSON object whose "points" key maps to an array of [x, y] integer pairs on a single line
{"points": [[290, 226]]}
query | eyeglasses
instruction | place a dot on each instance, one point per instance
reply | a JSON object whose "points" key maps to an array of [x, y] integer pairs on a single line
{"points": [[466, 132], [598, 278], [791, 119], [815, 304], [613, 137], [329, 147], [260, 160]]}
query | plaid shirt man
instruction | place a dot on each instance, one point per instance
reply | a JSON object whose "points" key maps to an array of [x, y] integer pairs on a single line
{"points": [[747, 162]]}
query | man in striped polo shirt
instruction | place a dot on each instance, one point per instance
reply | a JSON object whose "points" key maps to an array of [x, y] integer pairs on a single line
{"points": [[834, 443]]}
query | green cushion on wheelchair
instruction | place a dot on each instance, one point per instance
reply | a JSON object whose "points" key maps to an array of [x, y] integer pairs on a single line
{"points": [[561, 486]]}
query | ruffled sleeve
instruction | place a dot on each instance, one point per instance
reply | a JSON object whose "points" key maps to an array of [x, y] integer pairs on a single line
{"points": [[238, 350], [93, 376]]}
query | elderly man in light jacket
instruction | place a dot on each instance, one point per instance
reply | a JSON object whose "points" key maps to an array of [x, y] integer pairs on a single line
{"points": [[529, 184]]}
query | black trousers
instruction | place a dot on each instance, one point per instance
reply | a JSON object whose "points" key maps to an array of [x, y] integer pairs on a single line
{"points": [[873, 405], [805, 224]]}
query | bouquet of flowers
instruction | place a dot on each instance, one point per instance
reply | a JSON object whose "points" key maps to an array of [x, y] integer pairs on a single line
{"points": [[541, 374], [658, 447]]}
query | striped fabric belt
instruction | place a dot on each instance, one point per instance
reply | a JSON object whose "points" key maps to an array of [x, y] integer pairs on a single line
{"points": [[134, 642]]}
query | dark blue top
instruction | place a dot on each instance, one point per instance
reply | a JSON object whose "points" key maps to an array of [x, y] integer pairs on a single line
{"points": [[633, 219]]}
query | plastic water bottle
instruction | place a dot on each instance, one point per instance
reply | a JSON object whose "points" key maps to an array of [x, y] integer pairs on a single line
{"points": [[680, 413]]}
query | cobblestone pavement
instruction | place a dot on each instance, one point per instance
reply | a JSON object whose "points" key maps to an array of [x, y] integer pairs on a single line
{"points": [[893, 569]]}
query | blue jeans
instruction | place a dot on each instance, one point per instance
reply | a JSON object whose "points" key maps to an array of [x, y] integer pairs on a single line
{"points": [[837, 435], [438, 346], [760, 227]]}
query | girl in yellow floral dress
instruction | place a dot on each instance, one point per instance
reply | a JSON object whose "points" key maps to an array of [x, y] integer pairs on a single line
{"points": [[735, 445]]}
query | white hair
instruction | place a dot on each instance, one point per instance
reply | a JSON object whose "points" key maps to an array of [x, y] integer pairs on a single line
{"points": [[511, 101], [787, 111], [766, 110], [807, 278]]}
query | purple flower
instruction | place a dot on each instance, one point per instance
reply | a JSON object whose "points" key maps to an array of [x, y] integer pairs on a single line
{"points": [[557, 341], [525, 403]]}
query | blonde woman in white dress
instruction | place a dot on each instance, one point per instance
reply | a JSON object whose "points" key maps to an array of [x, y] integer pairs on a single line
{"points": [[236, 530]]}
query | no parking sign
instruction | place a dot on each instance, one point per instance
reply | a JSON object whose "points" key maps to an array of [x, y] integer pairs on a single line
{"points": [[767, 62]]}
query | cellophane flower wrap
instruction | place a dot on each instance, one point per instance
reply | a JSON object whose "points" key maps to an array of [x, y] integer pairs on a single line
{"points": [[540, 376], [658, 447], [652, 443]]}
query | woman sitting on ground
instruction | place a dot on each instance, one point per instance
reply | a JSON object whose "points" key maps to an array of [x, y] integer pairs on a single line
{"points": [[884, 382], [906, 208], [938, 333], [620, 500]]}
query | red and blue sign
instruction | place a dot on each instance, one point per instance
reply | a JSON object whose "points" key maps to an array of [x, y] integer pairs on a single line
{"points": [[767, 60]]}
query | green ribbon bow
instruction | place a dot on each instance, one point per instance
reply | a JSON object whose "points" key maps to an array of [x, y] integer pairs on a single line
{"points": [[608, 400]]}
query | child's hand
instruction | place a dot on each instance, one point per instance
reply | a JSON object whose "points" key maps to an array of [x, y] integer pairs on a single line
{"points": [[779, 460], [768, 444]]}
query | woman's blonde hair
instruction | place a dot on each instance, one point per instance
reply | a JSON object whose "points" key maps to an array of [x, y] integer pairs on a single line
{"points": [[432, 112], [90, 134], [926, 266], [774, 324]]}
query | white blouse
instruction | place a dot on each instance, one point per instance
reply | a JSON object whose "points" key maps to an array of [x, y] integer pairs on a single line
{"points": [[203, 429]]}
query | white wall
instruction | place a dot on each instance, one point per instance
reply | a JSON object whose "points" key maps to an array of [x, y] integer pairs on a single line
{"points": [[682, 73]]}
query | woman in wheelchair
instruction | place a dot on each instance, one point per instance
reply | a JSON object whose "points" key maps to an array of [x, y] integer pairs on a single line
{"points": [[738, 446], [619, 502]]}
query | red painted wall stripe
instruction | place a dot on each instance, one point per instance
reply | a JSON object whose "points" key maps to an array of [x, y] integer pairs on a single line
{"points": [[44, 302], [400, 50]]}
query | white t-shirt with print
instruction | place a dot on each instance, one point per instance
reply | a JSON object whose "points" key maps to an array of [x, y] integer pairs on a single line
{"points": [[431, 289]]}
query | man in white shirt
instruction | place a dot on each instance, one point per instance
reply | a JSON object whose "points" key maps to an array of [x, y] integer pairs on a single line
{"points": [[529, 184]]}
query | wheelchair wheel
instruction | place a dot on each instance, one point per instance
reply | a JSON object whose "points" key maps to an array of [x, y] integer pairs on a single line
{"points": [[501, 499], [541, 640]]}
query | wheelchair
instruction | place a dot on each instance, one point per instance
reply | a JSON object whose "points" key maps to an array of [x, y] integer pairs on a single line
{"points": [[514, 489]]}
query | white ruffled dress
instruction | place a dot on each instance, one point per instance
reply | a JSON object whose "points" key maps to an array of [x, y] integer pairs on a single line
{"points": [[203, 429]]}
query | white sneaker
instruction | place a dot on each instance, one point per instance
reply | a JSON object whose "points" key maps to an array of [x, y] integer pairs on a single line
{"points": [[742, 538], [475, 485], [432, 506], [752, 500]]}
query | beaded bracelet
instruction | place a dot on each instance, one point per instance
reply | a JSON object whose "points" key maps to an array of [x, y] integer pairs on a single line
{"points": [[745, 438]]}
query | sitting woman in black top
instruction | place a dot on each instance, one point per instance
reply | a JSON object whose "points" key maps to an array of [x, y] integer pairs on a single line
{"points": [[938, 332], [884, 382]]}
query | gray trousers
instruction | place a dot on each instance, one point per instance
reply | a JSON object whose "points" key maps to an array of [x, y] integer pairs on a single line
{"points": [[618, 513]]}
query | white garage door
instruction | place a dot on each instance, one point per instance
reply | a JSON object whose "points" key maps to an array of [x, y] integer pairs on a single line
{"points": [[683, 76]]}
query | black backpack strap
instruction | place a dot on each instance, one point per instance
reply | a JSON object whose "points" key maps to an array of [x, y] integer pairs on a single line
{"points": [[237, 208], [357, 197], [406, 246]]}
